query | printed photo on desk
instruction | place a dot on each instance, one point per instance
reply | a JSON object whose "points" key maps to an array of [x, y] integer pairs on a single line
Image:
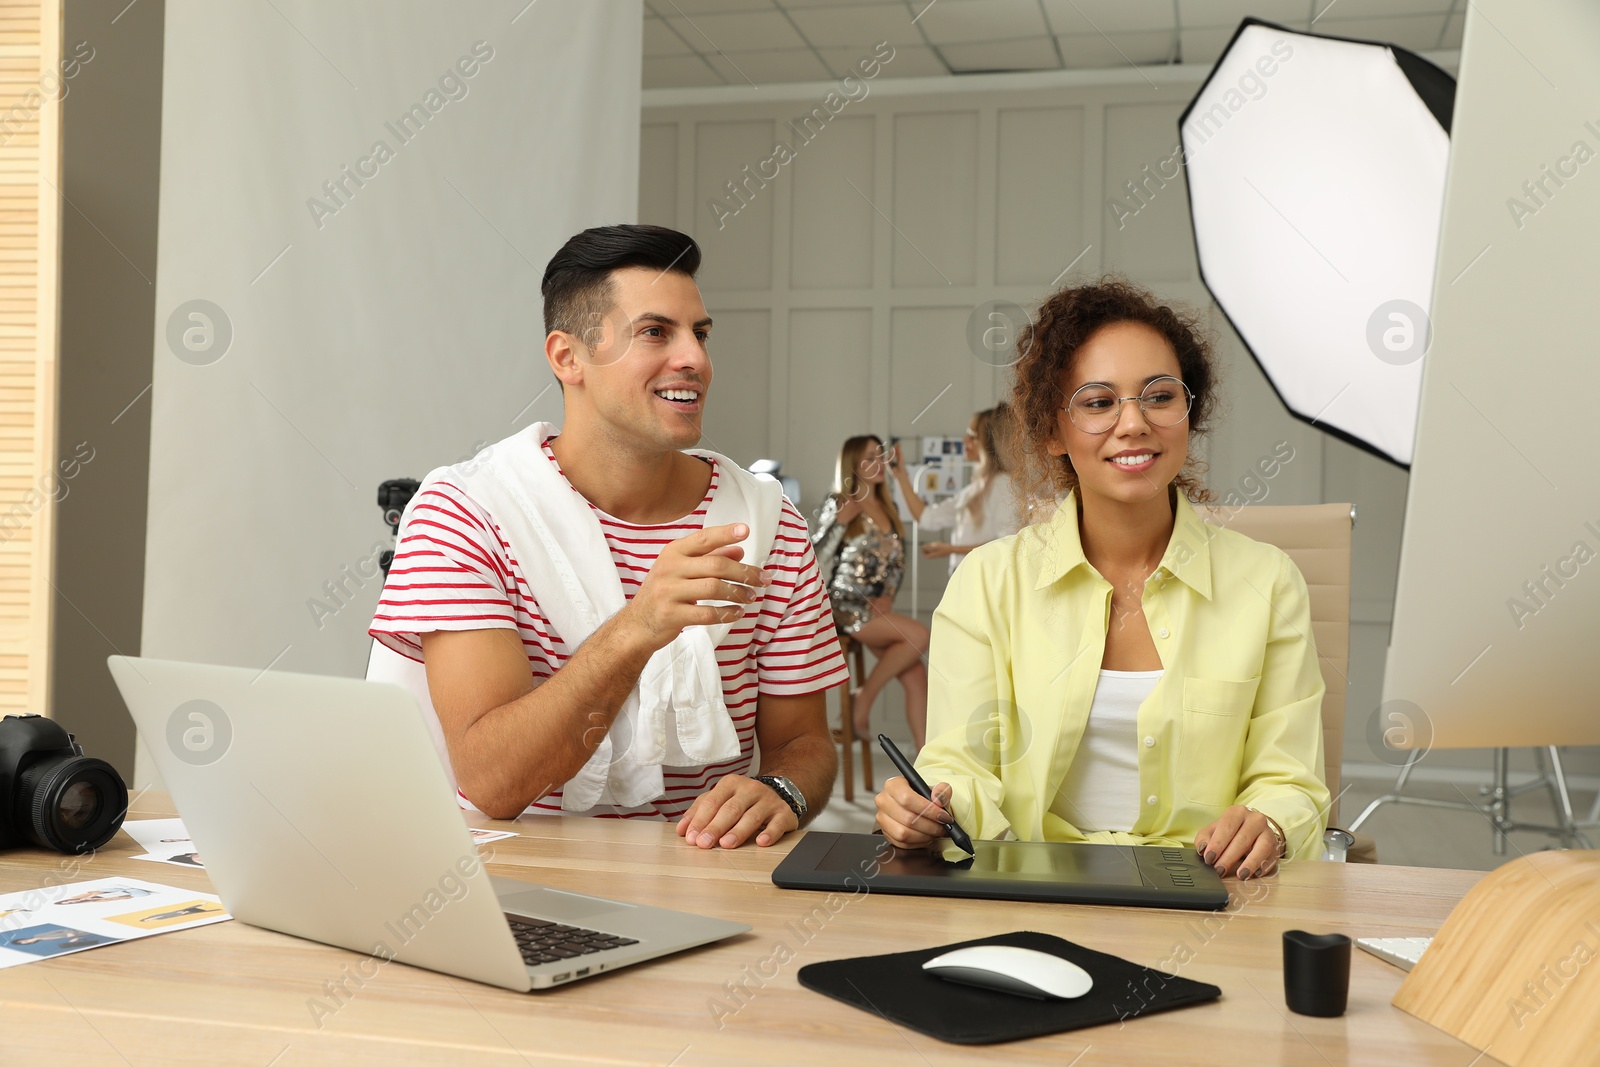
{"points": [[164, 841], [37, 924]]}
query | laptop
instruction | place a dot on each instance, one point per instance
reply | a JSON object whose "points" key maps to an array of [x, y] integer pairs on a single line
{"points": [[320, 808]]}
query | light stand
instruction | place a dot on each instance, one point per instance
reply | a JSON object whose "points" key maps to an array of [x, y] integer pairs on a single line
{"points": [[1500, 794]]}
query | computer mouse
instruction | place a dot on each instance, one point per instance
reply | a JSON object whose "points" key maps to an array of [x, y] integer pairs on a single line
{"points": [[1024, 971]]}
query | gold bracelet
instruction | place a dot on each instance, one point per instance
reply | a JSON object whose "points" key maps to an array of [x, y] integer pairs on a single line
{"points": [[1277, 831]]}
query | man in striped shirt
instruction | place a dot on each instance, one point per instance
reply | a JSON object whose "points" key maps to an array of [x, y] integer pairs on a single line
{"points": [[521, 710]]}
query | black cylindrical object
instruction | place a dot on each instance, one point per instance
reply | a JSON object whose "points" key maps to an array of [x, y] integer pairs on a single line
{"points": [[1316, 972]]}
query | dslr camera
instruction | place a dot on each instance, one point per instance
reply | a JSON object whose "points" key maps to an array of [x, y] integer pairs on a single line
{"points": [[51, 794]]}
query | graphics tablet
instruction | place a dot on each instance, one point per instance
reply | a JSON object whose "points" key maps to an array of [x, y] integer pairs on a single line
{"points": [[1150, 876]]}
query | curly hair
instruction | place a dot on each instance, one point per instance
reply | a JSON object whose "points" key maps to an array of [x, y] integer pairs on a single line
{"points": [[1050, 343]]}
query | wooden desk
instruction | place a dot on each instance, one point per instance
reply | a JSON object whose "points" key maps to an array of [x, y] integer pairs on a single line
{"points": [[233, 994]]}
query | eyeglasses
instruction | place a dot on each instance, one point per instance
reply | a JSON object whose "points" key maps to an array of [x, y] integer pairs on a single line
{"points": [[1095, 408]]}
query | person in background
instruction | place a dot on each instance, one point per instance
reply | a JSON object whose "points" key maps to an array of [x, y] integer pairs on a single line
{"points": [[860, 544], [987, 507], [1122, 673]]}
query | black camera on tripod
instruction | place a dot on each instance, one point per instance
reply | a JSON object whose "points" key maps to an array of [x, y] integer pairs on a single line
{"points": [[393, 496], [51, 793]]}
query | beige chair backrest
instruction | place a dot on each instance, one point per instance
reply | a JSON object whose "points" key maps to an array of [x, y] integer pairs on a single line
{"points": [[1317, 538]]}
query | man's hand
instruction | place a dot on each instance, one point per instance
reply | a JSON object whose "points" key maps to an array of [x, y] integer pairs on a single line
{"points": [[938, 549], [1240, 841], [702, 566], [735, 810]]}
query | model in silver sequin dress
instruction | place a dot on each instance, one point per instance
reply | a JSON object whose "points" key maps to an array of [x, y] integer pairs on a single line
{"points": [[865, 567]]}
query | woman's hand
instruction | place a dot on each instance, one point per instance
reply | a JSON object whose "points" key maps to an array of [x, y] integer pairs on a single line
{"points": [[910, 820], [881, 605], [897, 467], [849, 510], [908, 489], [1241, 841], [938, 549]]}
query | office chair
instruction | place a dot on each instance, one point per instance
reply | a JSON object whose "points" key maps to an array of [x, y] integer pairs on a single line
{"points": [[1317, 538]]}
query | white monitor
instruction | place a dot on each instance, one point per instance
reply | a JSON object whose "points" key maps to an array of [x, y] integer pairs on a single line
{"points": [[1496, 635]]}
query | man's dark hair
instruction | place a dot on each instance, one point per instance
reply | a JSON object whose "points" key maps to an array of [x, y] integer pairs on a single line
{"points": [[577, 283]]}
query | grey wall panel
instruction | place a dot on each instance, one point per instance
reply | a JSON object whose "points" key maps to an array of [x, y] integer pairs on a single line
{"points": [[1144, 223], [733, 212], [828, 393], [658, 174], [935, 206], [1257, 451], [930, 372], [741, 358], [1039, 205], [830, 221]]}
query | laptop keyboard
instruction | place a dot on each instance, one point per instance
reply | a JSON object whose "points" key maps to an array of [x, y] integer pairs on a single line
{"points": [[541, 941]]}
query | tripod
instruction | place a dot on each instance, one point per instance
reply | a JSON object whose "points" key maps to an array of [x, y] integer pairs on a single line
{"points": [[1499, 794]]}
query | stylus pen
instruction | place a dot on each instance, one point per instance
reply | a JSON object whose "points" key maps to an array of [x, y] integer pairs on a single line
{"points": [[903, 765]]}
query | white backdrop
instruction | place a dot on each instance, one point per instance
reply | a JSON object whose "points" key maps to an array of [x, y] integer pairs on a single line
{"points": [[377, 330]]}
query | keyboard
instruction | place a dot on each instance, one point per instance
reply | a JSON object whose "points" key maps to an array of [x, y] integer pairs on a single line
{"points": [[541, 941], [1403, 952]]}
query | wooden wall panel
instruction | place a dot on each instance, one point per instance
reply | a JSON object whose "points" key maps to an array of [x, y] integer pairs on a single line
{"points": [[30, 171]]}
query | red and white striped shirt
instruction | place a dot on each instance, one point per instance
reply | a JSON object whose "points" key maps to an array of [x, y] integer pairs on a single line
{"points": [[453, 570]]}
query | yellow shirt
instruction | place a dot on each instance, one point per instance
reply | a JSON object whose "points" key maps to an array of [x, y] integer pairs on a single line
{"points": [[1235, 719]]}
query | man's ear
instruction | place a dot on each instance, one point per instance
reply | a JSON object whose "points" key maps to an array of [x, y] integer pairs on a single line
{"points": [[562, 350]]}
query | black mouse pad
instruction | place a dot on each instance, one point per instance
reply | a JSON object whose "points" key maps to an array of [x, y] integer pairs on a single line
{"points": [[895, 987]]}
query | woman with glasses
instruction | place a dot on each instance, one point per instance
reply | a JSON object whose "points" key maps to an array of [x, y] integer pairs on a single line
{"points": [[860, 547], [983, 511], [1121, 672]]}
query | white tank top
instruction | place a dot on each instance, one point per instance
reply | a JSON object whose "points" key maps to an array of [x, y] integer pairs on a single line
{"points": [[1101, 791]]}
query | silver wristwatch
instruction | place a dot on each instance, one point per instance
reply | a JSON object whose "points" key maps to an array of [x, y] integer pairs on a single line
{"points": [[787, 790]]}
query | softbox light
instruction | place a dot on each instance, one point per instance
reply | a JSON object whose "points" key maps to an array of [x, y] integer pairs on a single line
{"points": [[1316, 169]]}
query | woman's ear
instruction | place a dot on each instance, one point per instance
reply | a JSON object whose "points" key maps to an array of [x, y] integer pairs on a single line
{"points": [[1054, 445]]}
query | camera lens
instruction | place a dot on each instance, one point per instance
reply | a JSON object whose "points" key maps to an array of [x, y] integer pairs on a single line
{"points": [[80, 803], [74, 803]]}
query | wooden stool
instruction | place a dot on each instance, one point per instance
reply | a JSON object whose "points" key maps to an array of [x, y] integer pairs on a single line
{"points": [[855, 657]]}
